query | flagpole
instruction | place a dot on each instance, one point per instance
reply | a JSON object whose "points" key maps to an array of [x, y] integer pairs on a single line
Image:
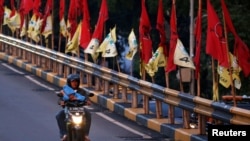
{"points": [[229, 59], [52, 20], [191, 42]]}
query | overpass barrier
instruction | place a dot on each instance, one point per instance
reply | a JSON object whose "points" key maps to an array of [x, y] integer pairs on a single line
{"points": [[112, 87]]}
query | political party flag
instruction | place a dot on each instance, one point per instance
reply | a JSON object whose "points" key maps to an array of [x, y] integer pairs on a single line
{"points": [[133, 45], [181, 57]]}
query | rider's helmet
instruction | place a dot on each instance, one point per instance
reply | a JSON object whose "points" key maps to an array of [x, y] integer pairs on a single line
{"points": [[72, 77]]}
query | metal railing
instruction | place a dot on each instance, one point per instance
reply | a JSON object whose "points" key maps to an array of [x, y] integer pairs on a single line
{"points": [[124, 84]]}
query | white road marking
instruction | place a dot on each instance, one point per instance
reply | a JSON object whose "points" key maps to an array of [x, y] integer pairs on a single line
{"points": [[88, 107], [38, 83], [123, 126], [11, 68], [28, 77]]}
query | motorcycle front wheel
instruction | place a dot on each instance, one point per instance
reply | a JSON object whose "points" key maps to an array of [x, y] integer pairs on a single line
{"points": [[78, 135]]}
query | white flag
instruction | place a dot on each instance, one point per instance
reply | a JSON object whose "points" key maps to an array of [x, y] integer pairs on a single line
{"points": [[48, 27], [133, 45], [108, 47], [14, 21], [92, 46], [181, 56], [63, 28], [6, 17]]}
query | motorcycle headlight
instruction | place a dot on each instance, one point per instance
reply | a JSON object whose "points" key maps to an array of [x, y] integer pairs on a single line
{"points": [[77, 119]]}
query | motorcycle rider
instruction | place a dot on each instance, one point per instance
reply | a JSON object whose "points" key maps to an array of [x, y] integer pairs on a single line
{"points": [[73, 81]]}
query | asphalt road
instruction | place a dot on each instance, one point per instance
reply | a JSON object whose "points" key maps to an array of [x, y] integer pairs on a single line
{"points": [[28, 106]]}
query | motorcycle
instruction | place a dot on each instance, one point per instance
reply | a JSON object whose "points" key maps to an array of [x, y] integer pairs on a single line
{"points": [[75, 119]]}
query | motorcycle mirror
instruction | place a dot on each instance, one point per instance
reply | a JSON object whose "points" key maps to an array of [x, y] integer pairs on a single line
{"points": [[59, 94]]}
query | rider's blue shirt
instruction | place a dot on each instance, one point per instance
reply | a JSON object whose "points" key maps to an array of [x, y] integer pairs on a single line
{"points": [[68, 90]]}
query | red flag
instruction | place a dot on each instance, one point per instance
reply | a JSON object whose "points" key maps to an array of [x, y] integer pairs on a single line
{"points": [[103, 16], [13, 8], [144, 29], [173, 39], [1, 10], [216, 44], [197, 34], [25, 7], [72, 16], [228, 21], [241, 51], [86, 37], [62, 9], [47, 12], [36, 8], [161, 27], [12, 4]]}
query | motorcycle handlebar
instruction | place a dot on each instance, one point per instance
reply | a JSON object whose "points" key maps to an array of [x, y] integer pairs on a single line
{"points": [[75, 103]]}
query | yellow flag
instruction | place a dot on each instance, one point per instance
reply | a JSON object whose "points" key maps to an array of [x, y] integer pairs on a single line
{"points": [[110, 50], [113, 34], [14, 22], [24, 29], [92, 46], [157, 60], [215, 91], [6, 17], [104, 44], [48, 27], [108, 47], [73, 44], [35, 33], [133, 45], [63, 28], [224, 76], [181, 56], [32, 24], [225, 79]]}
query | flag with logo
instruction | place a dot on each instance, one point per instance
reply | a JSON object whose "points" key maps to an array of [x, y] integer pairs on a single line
{"points": [[133, 45], [241, 50], [32, 24], [35, 33], [6, 16], [92, 47], [225, 78], [157, 60], [216, 43], [108, 47], [97, 36], [14, 21], [181, 57]]}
